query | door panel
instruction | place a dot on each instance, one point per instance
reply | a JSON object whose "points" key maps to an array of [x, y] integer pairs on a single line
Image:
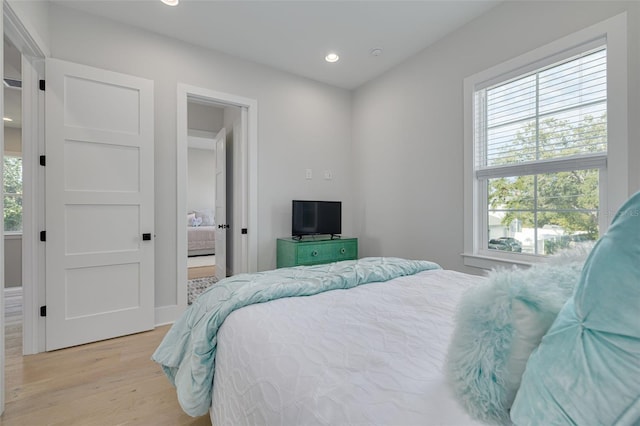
{"points": [[94, 167], [221, 204], [99, 202]]}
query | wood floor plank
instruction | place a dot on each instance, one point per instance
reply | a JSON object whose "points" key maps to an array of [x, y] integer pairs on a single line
{"points": [[201, 272], [113, 382]]}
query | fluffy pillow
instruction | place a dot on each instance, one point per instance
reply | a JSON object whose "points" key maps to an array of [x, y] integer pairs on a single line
{"points": [[190, 218], [498, 325], [206, 217], [587, 368]]}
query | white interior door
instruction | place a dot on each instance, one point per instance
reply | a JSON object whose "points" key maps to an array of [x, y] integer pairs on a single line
{"points": [[221, 204], [99, 203]]}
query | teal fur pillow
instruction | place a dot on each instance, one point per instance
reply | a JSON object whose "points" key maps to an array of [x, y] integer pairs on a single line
{"points": [[498, 324], [586, 371]]}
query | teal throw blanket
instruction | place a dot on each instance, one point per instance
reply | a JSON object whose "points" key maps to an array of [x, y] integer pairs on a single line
{"points": [[187, 353]]}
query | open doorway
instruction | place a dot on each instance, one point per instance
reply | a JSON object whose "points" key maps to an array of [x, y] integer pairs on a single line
{"points": [[12, 195], [205, 121], [232, 128]]}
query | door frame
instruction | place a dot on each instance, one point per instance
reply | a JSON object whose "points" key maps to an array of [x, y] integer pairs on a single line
{"points": [[248, 216], [33, 280]]}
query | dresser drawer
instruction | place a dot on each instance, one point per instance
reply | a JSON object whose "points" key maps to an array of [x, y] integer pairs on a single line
{"points": [[345, 250], [314, 253], [295, 252]]}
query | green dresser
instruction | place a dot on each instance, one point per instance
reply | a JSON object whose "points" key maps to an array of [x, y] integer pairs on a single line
{"points": [[313, 252]]}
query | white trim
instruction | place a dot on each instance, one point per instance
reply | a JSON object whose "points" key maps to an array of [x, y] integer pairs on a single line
{"points": [[167, 314], [2, 352], [33, 52], [593, 161], [187, 92], [33, 268], [491, 262], [614, 31], [27, 42], [201, 139]]}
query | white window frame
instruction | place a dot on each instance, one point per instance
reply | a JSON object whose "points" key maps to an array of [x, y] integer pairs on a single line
{"points": [[613, 176]]}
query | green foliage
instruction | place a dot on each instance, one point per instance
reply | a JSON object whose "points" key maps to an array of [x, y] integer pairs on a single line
{"points": [[567, 199], [12, 185]]}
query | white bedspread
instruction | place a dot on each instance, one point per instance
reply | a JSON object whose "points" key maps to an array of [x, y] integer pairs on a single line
{"points": [[369, 355]]}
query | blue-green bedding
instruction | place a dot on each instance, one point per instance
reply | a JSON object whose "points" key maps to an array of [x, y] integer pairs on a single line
{"points": [[187, 352]]}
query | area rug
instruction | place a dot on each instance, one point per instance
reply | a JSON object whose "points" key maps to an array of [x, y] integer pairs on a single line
{"points": [[197, 286]]}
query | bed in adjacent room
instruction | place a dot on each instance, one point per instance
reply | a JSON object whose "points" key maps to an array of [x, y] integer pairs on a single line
{"points": [[201, 240], [367, 345], [201, 233]]}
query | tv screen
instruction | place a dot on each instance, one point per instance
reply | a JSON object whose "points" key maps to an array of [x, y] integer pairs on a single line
{"points": [[316, 218]]}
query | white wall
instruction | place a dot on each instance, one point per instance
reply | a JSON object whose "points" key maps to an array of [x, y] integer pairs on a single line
{"points": [[12, 140], [12, 261], [201, 179], [302, 124], [34, 15], [408, 126], [204, 117]]}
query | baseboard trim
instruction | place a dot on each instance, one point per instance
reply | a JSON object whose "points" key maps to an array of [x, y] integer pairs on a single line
{"points": [[168, 314]]}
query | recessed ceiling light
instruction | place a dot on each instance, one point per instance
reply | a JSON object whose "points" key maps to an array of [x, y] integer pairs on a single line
{"points": [[7, 119], [332, 57], [171, 2]]}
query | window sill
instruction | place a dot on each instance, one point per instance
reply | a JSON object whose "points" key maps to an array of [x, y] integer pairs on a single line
{"points": [[491, 262], [13, 236]]}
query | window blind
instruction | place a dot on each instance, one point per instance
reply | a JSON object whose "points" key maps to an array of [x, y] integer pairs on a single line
{"points": [[554, 113]]}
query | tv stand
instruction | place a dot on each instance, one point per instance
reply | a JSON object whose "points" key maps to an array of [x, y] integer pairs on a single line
{"points": [[297, 251]]}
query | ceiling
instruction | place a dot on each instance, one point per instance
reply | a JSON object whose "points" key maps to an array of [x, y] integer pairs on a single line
{"points": [[295, 36]]}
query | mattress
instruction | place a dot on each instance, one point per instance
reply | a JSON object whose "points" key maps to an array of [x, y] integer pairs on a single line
{"points": [[201, 239], [373, 354]]}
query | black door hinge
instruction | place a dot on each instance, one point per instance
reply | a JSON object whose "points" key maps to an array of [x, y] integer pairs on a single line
{"points": [[42, 85], [43, 311], [43, 160], [244, 230], [43, 235]]}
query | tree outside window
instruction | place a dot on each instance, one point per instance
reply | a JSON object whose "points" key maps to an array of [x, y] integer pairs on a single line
{"points": [[562, 204], [12, 193]]}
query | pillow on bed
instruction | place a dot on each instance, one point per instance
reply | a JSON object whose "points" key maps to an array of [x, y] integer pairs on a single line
{"points": [[498, 324], [190, 218], [587, 368], [206, 216]]}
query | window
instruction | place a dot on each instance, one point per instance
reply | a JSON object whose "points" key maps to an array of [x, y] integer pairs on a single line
{"points": [[12, 178], [539, 137], [542, 144]]}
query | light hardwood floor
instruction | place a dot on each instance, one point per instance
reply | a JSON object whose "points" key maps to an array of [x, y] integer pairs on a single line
{"points": [[113, 382], [201, 272]]}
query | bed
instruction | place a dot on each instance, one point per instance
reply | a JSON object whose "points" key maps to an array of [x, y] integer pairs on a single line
{"points": [[373, 342], [201, 240], [369, 355], [349, 353], [201, 233]]}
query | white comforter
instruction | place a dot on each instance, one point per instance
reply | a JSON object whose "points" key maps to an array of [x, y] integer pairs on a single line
{"points": [[369, 355]]}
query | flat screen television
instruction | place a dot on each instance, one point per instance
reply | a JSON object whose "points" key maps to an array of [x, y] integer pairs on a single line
{"points": [[316, 218]]}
